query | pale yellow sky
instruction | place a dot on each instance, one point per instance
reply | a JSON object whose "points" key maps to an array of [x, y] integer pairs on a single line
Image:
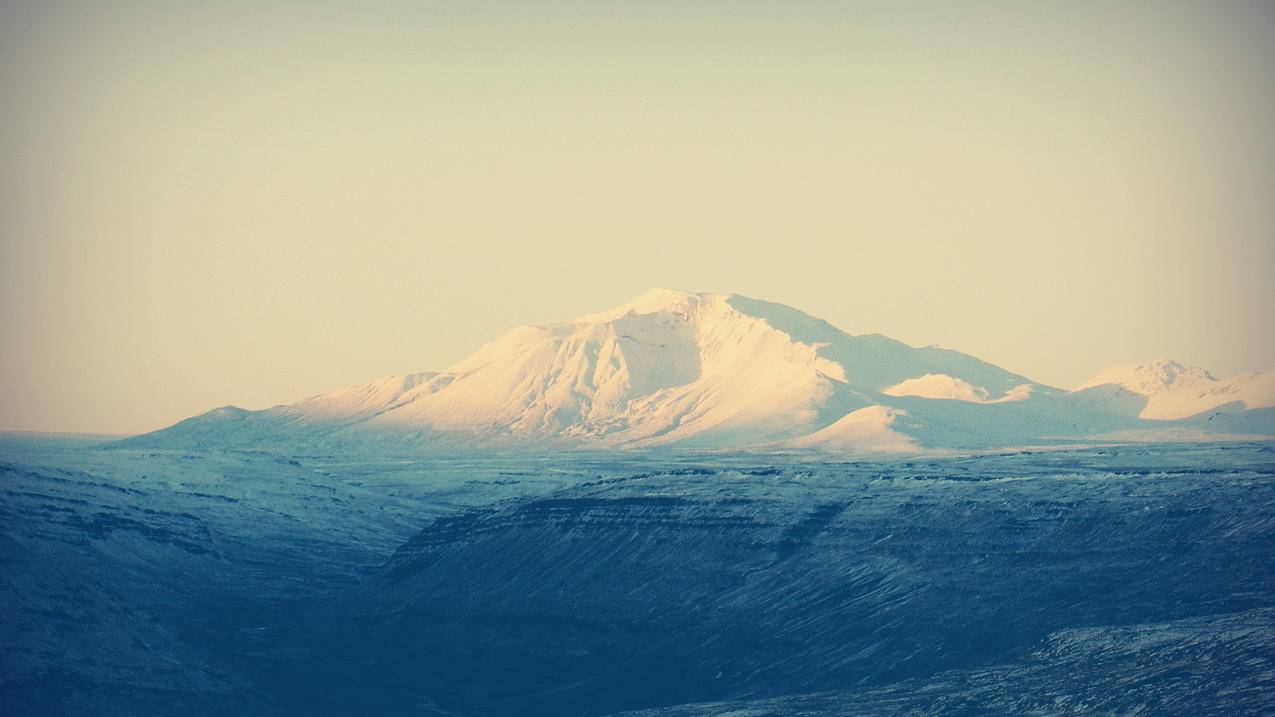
{"points": [[249, 202]]}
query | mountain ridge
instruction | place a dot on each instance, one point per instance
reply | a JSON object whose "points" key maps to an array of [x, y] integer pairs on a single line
{"points": [[718, 370]]}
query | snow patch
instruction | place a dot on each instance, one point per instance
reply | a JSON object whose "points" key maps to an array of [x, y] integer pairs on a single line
{"points": [[940, 386]]}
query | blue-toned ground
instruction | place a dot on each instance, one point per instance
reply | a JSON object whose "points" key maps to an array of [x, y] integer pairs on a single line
{"points": [[1110, 580]]}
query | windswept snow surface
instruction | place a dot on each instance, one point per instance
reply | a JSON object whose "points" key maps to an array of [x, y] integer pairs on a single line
{"points": [[701, 371]]}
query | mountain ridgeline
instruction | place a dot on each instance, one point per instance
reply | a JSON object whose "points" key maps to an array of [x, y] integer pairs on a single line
{"points": [[718, 371]]}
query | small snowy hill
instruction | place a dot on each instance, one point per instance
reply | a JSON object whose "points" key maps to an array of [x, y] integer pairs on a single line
{"points": [[704, 371], [1174, 391]]}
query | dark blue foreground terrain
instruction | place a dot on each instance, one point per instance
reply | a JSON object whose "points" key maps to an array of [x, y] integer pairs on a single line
{"points": [[1112, 580]]}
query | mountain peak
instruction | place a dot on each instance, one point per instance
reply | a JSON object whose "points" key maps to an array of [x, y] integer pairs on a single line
{"points": [[675, 300], [1152, 378], [1173, 390], [660, 295], [652, 301]]}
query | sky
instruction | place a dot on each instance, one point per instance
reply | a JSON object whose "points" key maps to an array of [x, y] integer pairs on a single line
{"points": [[247, 203]]}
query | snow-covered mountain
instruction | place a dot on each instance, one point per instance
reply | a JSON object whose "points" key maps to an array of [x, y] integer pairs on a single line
{"points": [[673, 367], [1175, 391], [703, 370]]}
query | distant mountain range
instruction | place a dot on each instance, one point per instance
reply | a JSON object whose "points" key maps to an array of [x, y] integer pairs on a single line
{"points": [[710, 371]]}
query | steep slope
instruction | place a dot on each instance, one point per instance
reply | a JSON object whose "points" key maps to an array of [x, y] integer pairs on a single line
{"points": [[1174, 391]]}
